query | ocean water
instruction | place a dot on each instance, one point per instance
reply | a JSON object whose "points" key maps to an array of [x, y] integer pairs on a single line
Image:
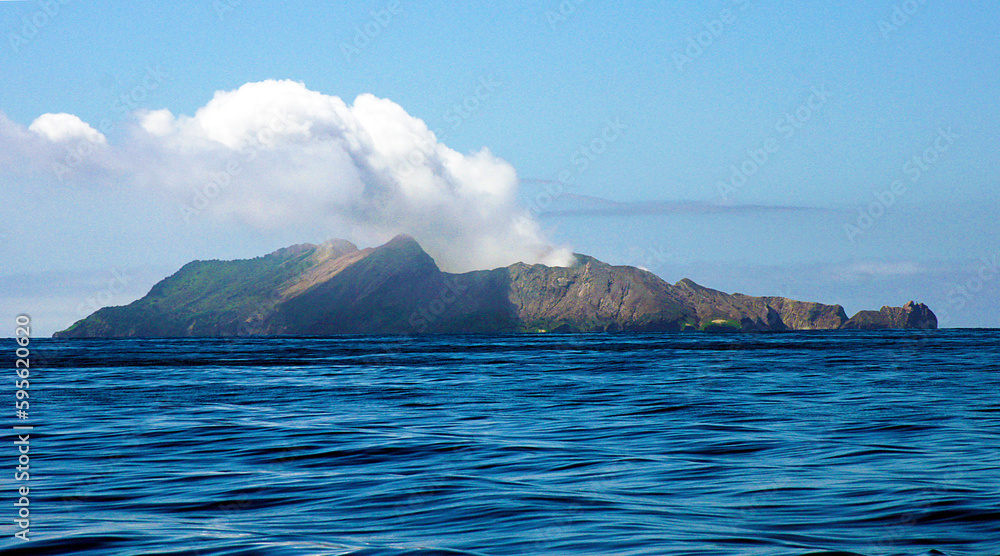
{"points": [[679, 444]]}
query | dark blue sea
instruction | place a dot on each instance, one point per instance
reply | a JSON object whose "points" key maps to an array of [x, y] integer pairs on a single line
{"points": [[682, 444]]}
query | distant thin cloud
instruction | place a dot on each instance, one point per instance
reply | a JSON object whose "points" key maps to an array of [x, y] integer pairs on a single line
{"points": [[881, 268], [575, 205]]}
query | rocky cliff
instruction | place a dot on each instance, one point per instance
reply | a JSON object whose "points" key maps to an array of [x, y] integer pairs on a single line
{"points": [[336, 288], [911, 315], [592, 296]]}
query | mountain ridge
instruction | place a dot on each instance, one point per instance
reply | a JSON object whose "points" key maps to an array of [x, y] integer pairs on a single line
{"points": [[336, 288]]}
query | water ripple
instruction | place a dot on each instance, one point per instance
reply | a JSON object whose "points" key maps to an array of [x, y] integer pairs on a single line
{"points": [[823, 443]]}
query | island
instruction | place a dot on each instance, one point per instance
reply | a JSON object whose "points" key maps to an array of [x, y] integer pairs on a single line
{"points": [[336, 288]]}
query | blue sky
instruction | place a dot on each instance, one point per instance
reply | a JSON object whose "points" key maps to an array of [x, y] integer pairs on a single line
{"points": [[621, 103]]}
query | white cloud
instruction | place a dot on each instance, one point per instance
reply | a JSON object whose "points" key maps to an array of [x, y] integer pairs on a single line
{"points": [[276, 156], [863, 271], [157, 122], [65, 127], [882, 268]]}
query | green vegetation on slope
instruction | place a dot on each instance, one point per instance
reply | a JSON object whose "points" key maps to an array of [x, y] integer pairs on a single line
{"points": [[203, 298]]}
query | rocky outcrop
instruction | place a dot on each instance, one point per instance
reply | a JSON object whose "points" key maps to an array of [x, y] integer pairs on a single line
{"points": [[393, 289], [911, 315], [592, 296], [720, 311], [336, 288], [807, 315]]}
